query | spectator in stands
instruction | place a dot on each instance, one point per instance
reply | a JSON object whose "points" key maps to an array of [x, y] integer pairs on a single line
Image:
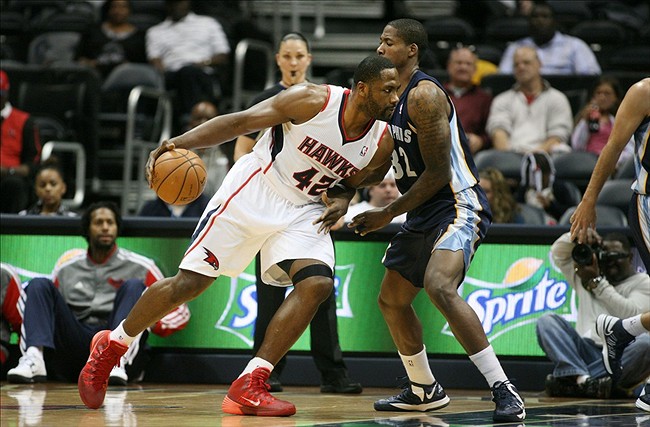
{"points": [[20, 148], [293, 58], [532, 116], [187, 47], [480, 13], [50, 187], [539, 188], [472, 103], [91, 289], [114, 42], [379, 195], [214, 158], [596, 120], [10, 318], [559, 53], [603, 285], [158, 207], [502, 203]]}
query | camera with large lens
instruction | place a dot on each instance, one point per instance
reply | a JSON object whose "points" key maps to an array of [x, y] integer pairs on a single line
{"points": [[583, 254]]}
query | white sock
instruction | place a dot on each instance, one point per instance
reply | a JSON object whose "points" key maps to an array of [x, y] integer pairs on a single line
{"points": [[120, 336], [417, 367], [581, 379], [634, 326], [256, 362], [486, 361]]}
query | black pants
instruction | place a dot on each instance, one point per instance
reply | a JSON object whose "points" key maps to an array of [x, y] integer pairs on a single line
{"points": [[324, 335]]}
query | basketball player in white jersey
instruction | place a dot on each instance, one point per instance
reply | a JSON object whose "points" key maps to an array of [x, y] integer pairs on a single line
{"points": [[323, 141]]}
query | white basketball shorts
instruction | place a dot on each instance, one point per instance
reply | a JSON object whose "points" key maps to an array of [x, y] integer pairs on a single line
{"points": [[245, 216]]}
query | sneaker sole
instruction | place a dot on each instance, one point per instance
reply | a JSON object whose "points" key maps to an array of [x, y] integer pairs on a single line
{"points": [[229, 406], [509, 418], [602, 324], [642, 405], [19, 379], [80, 383], [405, 407]]}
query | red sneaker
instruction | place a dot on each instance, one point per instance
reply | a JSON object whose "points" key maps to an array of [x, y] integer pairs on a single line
{"points": [[93, 379], [249, 395]]}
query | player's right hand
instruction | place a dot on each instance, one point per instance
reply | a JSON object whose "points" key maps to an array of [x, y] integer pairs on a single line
{"points": [[148, 168]]}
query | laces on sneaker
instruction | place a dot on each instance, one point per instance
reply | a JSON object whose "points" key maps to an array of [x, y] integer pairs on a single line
{"points": [[258, 387]]}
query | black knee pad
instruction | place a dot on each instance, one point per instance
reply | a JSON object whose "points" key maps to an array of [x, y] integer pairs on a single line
{"points": [[311, 271]]}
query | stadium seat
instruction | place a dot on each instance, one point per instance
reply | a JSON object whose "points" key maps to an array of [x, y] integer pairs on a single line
{"points": [[626, 170], [616, 192], [575, 166], [137, 112], [630, 58], [606, 216], [53, 47], [500, 31], [531, 214], [497, 83], [508, 162], [446, 32]]}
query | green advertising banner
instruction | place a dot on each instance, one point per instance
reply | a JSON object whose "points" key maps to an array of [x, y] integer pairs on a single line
{"points": [[508, 285]]}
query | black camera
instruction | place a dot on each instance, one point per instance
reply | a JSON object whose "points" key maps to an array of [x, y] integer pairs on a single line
{"points": [[583, 254]]}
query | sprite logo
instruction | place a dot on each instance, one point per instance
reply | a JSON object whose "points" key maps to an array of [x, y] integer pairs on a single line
{"points": [[529, 288], [238, 318]]}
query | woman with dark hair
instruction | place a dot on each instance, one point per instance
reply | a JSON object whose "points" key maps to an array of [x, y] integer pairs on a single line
{"points": [[594, 123], [114, 42]]}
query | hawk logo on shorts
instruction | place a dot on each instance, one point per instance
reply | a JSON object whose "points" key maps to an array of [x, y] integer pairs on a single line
{"points": [[211, 258]]}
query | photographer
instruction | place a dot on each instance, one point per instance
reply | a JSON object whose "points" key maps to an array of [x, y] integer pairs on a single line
{"points": [[603, 278]]}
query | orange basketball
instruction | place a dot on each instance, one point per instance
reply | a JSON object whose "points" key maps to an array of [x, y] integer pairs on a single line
{"points": [[179, 176]]}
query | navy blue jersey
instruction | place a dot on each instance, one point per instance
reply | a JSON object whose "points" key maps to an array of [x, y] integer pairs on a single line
{"points": [[408, 164]]}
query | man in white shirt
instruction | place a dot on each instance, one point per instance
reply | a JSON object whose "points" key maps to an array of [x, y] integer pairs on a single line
{"points": [[604, 284], [559, 53], [532, 116], [186, 47]]}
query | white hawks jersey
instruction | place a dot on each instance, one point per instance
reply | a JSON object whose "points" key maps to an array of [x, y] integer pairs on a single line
{"points": [[301, 161]]}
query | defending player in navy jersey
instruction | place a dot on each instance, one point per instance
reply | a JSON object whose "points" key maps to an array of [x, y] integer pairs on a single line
{"points": [[448, 216], [280, 200]]}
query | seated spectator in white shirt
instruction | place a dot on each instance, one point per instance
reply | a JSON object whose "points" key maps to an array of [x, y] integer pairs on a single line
{"points": [[559, 53], [532, 116], [187, 47], [379, 196]]}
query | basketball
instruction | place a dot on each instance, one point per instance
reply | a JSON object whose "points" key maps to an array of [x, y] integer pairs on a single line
{"points": [[179, 176]]}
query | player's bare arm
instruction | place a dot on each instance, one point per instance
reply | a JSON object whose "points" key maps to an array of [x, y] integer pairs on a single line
{"points": [[429, 109], [633, 109], [337, 198], [296, 104]]}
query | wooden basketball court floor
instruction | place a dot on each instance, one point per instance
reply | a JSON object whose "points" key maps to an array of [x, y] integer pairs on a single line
{"points": [[178, 405]]}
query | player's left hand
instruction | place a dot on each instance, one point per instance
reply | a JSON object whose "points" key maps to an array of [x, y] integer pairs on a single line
{"points": [[335, 208], [148, 168], [583, 222], [371, 220]]}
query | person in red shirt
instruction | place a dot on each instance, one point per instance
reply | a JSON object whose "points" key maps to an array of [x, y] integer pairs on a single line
{"points": [[20, 149], [472, 103]]}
